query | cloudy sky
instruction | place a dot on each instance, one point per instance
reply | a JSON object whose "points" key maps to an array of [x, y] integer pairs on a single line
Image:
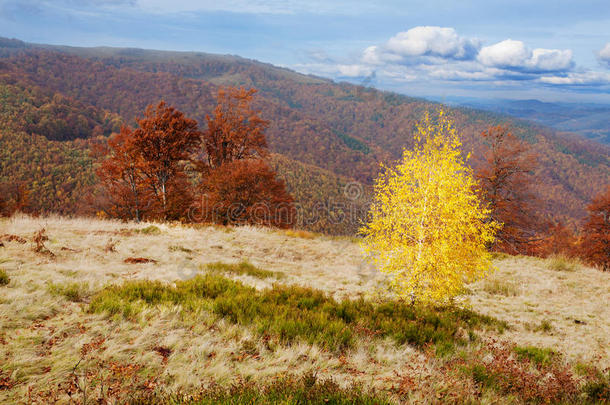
{"points": [[550, 50]]}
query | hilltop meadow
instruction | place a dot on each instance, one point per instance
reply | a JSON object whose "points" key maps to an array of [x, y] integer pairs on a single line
{"points": [[98, 311]]}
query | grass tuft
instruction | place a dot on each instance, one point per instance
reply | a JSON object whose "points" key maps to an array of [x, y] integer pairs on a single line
{"points": [[4, 278], [177, 248], [243, 268], [540, 356], [291, 313], [562, 263], [149, 230], [298, 233], [497, 287], [75, 292]]}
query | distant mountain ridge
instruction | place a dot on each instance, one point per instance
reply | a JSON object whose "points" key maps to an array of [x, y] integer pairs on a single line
{"points": [[590, 120], [343, 129]]}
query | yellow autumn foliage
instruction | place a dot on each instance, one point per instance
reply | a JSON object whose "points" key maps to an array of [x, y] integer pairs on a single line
{"points": [[428, 230]]}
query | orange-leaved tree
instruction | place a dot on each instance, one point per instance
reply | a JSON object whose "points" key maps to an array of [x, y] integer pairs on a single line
{"points": [[13, 198], [505, 178], [596, 232], [246, 191], [235, 130], [145, 174], [122, 177], [166, 140], [238, 186]]}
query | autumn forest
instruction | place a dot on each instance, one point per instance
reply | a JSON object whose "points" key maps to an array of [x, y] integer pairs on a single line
{"points": [[148, 135]]}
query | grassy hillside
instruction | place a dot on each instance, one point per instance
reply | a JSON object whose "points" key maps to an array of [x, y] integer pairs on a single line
{"points": [[343, 129], [258, 315]]}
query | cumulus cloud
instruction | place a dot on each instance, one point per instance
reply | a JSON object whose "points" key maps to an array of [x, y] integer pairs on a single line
{"points": [[604, 54], [432, 41], [424, 41], [514, 55]]}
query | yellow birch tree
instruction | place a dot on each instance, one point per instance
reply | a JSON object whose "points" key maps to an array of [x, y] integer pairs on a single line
{"points": [[428, 230]]}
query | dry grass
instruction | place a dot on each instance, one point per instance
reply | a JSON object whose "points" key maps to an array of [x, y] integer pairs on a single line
{"points": [[44, 322]]}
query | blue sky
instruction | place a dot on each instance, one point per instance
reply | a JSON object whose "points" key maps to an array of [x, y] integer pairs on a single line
{"points": [[550, 50]]}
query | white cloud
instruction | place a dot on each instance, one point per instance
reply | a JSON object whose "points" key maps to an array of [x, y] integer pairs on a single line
{"points": [[422, 44], [432, 41], [578, 79], [354, 70], [514, 55], [604, 54]]}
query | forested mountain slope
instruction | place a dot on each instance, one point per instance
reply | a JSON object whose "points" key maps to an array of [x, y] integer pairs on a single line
{"points": [[344, 130]]}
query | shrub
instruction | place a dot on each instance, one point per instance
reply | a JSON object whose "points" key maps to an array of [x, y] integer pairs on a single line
{"points": [[291, 312], [597, 386], [534, 376]]}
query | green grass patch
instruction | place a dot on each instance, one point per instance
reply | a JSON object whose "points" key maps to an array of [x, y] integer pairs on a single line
{"points": [[291, 313], [243, 268], [4, 278], [149, 230], [75, 292], [540, 356]]}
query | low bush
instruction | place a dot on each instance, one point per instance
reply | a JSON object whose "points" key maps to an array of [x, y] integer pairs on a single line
{"points": [[292, 312], [531, 374]]}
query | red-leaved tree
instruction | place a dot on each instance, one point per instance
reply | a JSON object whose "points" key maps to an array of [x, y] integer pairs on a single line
{"points": [[238, 186], [246, 191], [13, 198], [506, 180], [166, 141], [596, 232], [127, 192], [145, 174], [235, 130]]}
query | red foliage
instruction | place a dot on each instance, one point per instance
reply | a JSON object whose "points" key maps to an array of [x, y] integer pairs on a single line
{"points": [[145, 173], [596, 232], [235, 131], [561, 240], [13, 198], [246, 192], [505, 180], [238, 186], [123, 180]]}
